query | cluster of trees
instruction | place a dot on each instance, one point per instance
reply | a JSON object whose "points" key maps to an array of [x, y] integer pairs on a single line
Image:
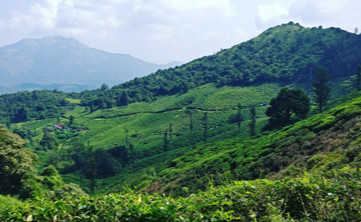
{"points": [[291, 105], [24, 106], [18, 174], [17, 171]]}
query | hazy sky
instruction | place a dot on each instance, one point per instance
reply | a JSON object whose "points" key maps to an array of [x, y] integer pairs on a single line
{"points": [[166, 30]]}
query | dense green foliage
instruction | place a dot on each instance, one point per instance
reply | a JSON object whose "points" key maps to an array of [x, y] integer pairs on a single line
{"points": [[179, 131], [284, 54], [17, 173], [25, 106], [333, 196], [288, 103], [321, 87]]}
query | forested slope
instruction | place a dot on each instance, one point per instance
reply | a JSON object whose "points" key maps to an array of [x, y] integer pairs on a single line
{"points": [[285, 54]]}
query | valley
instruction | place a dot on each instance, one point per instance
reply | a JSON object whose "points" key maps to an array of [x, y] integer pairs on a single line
{"points": [[191, 142]]}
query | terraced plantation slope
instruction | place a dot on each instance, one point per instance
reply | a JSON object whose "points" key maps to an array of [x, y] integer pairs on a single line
{"points": [[313, 171], [326, 141]]}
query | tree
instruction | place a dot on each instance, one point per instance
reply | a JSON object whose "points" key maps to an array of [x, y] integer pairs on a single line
{"points": [[104, 87], [191, 125], [48, 141], [17, 172], [358, 79], [321, 88], [71, 120], [165, 140], [126, 137], [205, 126], [51, 178], [90, 167], [21, 115], [170, 130], [123, 99], [252, 124], [288, 106], [237, 117]]}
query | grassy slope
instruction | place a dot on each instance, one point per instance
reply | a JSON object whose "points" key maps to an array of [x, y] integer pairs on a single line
{"points": [[107, 127], [321, 142], [327, 145], [147, 121]]}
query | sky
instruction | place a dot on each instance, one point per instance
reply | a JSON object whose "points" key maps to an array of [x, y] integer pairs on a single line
{"points": [[163, 31]]}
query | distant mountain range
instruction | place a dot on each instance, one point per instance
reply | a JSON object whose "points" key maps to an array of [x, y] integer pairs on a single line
{"points": [[66, 64]]}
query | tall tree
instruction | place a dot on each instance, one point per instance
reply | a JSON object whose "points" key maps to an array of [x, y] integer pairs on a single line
{"points": [[71, 120], [126, 137], [123, 99], [48, 141], [21, 115], [191, 125], [252, 124], [205, 126], [170, 130], [165, 140], [358, 79], [321, 88], [104, 87], [288, 106], [239, 117]]}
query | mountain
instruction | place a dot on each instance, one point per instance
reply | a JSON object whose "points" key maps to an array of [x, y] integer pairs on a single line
{"points": [[144, 124], [66, 61], [285, 54], [175, 132]]}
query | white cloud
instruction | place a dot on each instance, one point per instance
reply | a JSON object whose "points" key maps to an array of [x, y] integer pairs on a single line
{"points": [[271, 14], [164, 30], [345, 14]]}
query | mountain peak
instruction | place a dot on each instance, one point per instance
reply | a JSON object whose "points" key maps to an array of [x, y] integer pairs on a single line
{"points": [[62, 60], [50, 42]]}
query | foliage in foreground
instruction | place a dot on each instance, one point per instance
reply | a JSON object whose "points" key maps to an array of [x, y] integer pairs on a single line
{"points": [[333, 196], [17, 173]]}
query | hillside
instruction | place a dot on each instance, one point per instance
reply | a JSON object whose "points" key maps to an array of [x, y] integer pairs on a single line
{"points": [[67, 64], [326, 141], [312, 169], [186, 133], [285, 54], [140, 128]]}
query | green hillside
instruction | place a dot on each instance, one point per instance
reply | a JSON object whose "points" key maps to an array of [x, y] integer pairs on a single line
{"points": [[326, 146], [326, 141], [285, 54], [186, 133], [136, 132], [143, 127]]}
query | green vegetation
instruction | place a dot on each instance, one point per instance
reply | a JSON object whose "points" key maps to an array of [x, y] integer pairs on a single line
{"points": [[25, 106], [333, 196], [285, 54], [331, 135], [288, 103], [17, 173], [321, 88], [190, 133]]}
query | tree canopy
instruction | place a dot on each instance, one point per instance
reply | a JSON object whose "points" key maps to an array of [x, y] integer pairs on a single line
{"points": [[17, 172], [320, 87], [288, 106]]}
